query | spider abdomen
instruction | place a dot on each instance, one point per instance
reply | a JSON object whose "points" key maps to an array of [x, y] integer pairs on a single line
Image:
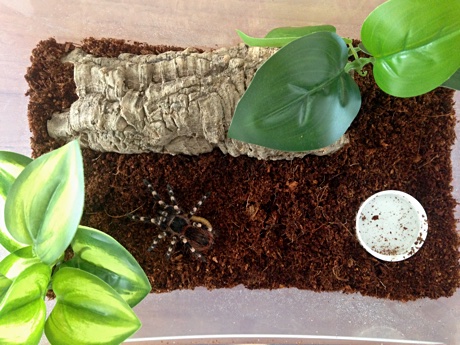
{"points": [[199, 238]]}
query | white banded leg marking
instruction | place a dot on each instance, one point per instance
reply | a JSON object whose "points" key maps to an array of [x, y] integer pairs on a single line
{"points": [[171, 246], [171, 194], [185, 241], [156, 221], [155, 195], [198, 204], [133, 217], [193, 250], [173, 200], [156, 241]]}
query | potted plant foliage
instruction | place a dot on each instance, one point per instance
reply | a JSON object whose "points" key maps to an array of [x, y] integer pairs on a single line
{"points": [[96, 284], [305, 98]]}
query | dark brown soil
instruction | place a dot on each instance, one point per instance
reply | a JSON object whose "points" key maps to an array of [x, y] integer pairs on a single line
{"points": [[278, 224]]}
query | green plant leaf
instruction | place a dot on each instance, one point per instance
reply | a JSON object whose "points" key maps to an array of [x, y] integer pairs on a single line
{"points": [[279, 37], [301, 98], [415, 44], [101, 255], [5, 284], [454, 81], [300, 31], [11, 165], [17, 262], [363, 48], [88, 311], [45, 203], [23, 309]]}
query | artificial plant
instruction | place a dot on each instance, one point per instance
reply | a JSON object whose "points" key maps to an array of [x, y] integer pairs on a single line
{"points": [[41, 203], [304, 97]]}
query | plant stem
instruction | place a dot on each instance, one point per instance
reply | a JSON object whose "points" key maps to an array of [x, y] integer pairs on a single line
{"points": [[358, 63], [353, 50]]}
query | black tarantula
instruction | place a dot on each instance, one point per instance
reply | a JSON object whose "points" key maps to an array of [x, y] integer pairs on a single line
{"points": [[193, 231]]}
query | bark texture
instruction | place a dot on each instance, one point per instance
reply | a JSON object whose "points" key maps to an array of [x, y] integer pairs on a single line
{"points": [[174, 102]]}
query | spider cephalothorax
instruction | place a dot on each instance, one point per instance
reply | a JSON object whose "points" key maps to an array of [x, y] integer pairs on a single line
{"points": [[193, 231]]}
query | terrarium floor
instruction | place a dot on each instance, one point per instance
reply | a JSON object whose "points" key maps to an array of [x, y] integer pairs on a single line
{"points": [[278, 224]]}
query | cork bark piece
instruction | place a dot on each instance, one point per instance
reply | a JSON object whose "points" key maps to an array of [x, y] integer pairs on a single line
{"points": [[175, 102]]}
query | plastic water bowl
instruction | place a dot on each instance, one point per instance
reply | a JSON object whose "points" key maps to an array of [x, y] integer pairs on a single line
{"points": [[391, 225]]}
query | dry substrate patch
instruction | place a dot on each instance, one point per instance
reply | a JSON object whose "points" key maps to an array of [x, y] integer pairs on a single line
{"points": [[278, 223]]}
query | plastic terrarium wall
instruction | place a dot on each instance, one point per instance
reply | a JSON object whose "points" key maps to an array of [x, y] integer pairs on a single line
{"points": [[233, 315]]}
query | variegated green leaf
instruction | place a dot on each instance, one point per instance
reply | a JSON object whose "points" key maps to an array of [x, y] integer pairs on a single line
{"points": [[45, 203], [88, 311], [101, 255], [11, 165], [23, 309]]}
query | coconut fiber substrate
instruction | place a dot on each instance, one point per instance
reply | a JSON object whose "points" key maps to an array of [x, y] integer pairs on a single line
{"points": [[277, 223]]}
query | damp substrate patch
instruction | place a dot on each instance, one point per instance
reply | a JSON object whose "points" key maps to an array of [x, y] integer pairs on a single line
{"points": [[278, 224]]}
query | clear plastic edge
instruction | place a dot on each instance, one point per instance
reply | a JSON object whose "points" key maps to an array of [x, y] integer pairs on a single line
{"points": [[239, 315]]}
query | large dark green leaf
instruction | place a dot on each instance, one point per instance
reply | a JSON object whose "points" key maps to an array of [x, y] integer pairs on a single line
{"points": [[45, 203], [88, 311], [11, 165], [279, 37], [301, 98], [416, 44], [101, 255], [23, 309]]}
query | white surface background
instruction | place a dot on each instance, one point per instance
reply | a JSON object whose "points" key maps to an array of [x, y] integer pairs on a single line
{"points": [[242, 315]]}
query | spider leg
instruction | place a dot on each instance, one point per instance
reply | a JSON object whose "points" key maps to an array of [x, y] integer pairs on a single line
{"points": [[171, 246], [173, 199], [198, 204], [155, 195], [139, 218], [156, 241], [157, 220], [193, 250]]}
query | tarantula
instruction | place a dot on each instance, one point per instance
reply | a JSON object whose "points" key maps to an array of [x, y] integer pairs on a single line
{"points": [[194, 232]]}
